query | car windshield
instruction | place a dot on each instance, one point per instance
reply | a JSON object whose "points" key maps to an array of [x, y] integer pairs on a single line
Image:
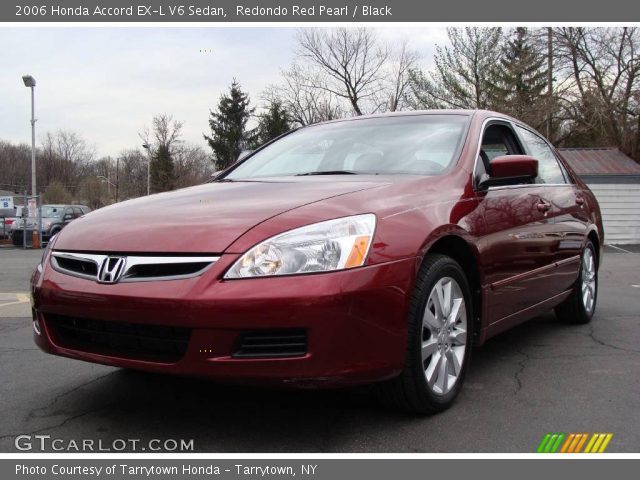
{"points": [[412, 144], [52, 212]]}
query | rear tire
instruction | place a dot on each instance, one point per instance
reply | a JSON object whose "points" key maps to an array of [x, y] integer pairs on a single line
{"points": [[439, 340], [579, 307]]}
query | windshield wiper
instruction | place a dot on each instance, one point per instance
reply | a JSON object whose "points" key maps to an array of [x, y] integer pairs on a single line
{"points": [[328, 172]]}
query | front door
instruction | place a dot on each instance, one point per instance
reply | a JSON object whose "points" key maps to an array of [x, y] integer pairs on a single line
{"points": [[516, 246]]}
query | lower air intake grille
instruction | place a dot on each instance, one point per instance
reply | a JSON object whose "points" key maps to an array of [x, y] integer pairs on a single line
{"points": [[272, 344], [129, 340]]}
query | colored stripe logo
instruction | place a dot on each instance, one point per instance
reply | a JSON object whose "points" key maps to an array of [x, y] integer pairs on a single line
{"points": [[574, 443]]}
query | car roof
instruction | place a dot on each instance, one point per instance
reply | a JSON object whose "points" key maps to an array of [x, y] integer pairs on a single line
{"points": [[410, 113], [481, 114]]}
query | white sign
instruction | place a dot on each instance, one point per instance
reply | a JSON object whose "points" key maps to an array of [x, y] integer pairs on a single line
{"points": [[6, 202], [32, 207]]}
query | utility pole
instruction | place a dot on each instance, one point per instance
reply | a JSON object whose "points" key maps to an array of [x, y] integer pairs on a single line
{"points": [[549, 83]]}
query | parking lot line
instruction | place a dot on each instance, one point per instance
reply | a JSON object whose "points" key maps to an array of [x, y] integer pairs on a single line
{"points": [[13, 298], [619, 248]]}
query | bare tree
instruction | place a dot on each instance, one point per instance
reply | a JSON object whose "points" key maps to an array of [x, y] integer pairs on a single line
{"points": [[192, 165], [132, 177], [56, 193], [165, 132], [304, 104], [92, 192], [396, 80], [15, 166], [603, 65], [348, 62], [64, 157]]}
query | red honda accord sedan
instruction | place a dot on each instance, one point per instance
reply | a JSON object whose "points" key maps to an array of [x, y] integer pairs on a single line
{"points": [[370, 250]]}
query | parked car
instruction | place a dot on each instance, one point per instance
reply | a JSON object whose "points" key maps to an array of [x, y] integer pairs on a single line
{"points": [[370, 250], [54, 219], [5, 230]]}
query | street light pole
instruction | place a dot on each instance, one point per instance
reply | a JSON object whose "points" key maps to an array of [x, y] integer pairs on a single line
{"points": [[30, 82], [117, 176], [33, 141], [148, 148], [109, 184]]}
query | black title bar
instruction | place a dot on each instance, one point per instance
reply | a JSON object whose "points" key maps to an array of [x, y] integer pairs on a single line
{"points": [[304, 11]]}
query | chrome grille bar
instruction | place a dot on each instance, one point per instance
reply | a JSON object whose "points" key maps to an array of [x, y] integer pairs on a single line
{"points": [[87, 265]]}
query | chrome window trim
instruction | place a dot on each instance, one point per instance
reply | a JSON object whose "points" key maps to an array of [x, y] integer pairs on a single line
{"points": [[132, 261], [527, 185], [479, 146], [513, 126]]}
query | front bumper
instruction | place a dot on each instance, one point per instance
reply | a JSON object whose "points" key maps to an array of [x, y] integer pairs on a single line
{"points": [[355, 321]]}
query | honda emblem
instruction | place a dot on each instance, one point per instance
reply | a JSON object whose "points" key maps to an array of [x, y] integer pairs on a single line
{"points": [[111, 269]]}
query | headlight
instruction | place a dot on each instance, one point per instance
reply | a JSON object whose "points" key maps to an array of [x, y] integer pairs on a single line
{"points": [[322, 247]]}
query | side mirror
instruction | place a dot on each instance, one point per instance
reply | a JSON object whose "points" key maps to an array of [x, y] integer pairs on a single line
{"points": [[511, 170]]}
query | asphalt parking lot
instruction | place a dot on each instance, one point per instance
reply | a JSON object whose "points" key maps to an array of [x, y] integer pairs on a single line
{"points": [[543, 376]]}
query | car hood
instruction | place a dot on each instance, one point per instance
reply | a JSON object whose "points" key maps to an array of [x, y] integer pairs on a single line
{"points": [[206, 218]]}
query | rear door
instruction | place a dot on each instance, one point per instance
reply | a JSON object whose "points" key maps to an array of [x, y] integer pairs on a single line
{"points": [[517, 242], [570, 219]]}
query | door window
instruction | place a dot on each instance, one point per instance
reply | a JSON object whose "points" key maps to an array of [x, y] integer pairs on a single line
{"points": [[549, 171], [498, 139]]}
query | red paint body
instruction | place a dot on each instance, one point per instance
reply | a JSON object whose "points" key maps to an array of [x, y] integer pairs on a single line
{"points": [[356, 320]]}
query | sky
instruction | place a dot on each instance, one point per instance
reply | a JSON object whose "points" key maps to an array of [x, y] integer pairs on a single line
{"points": [[107, 83]]}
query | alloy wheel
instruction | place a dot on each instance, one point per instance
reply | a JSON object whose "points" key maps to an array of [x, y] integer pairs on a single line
{"points": [[589, 285], [444, 335]]}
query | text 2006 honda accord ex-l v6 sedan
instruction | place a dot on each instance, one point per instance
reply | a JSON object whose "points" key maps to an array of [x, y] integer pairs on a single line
{"points": [[370, 250]]}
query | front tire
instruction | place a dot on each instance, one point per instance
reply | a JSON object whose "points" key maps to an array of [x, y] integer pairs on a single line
{"points": [[440, 334], [578, 308]]}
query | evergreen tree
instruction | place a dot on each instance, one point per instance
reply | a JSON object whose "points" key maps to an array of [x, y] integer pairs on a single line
{"points": [[162, 178], [522, 81], [163, 141], [465, 72], [273, 123], [228, 126]]}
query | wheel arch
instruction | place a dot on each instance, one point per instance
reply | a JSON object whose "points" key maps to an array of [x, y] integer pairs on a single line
{"points": [[466, 256], [595, 239]]}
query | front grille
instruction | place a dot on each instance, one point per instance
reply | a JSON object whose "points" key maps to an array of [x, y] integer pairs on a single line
{"points": [[129, 340], [77, 265], [165, 270], [136, 268], [272, 344]]}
